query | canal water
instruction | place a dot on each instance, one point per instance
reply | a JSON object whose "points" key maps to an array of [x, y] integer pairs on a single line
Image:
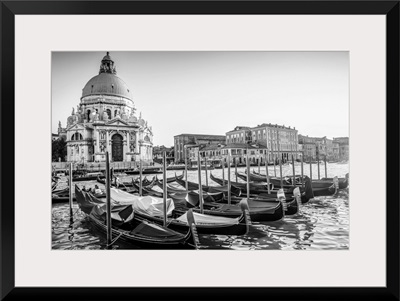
{"points": [[321, 224]]}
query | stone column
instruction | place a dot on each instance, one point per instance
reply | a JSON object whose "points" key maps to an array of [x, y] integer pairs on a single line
{"points": [[125, 146], [97, 149], [137, 145], [108, 143], [128, 157]]}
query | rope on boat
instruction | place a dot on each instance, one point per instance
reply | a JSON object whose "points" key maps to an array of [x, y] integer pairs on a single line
{"points": [[114, 240]]}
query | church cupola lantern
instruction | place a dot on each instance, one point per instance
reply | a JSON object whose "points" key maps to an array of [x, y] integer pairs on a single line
{"points": [[107, 65]]}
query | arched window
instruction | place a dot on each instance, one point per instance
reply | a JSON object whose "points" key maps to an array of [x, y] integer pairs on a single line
{"points": [[88, 115], [115, 113], [77, 136], [109, 113]]}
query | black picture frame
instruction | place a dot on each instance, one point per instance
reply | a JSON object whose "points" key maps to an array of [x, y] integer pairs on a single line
{"points": [[9, 9]]}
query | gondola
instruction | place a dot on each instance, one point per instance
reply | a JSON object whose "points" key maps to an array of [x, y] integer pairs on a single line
{"points": [[138, 232], [320, 188], [306, 193], [292, 203], [171, 179], [151, 192], [270, 210], [145, 171], [287, 181], [170, 187], [255, 188], [204, 223], [343, 182], [328, 191], [145, 182], [223, 188], [176, 167], [88, 176], [54, 183], [193, 198], [257, 177], [267, 211], [62, 195]]}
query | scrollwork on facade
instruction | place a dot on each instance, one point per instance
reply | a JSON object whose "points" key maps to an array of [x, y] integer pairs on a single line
{"points": [[103, 146], [132, 147]]}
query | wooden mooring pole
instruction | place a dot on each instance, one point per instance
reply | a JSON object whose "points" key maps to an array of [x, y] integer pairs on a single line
{"points": [[70, 191], [200, 187], [165, 188], [266, 172], [108, 201], [186, 171], [223, 171], [229, 176], [302, 170], [294, 172], [140, 175], [236, 169], [205, 166], [248, 173]]}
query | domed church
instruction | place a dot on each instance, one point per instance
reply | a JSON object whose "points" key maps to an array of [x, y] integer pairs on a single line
{"points": [[105, 121]]}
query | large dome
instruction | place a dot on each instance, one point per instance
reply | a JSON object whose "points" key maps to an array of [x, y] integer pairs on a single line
{"points": [[106, 84]]}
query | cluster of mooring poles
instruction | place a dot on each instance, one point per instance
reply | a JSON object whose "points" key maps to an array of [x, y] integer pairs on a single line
{"points": [[229, 154]]}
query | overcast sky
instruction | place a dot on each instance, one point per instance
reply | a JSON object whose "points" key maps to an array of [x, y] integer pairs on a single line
{"points": [[212, 92]]}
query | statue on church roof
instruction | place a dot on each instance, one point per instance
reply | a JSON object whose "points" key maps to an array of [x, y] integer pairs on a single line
{"points": [[105, 116], [124, 114], [93, 116], [118, 114], [73, 111]]}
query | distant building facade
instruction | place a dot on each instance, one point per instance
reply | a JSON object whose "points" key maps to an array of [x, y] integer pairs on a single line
{"points": [[193, 139], [105, 121], [280, 141], [343, 144], [320, 148], [158, 154]]}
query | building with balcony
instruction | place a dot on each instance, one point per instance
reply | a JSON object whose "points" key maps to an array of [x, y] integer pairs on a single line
{"points": [[281, 142], [343, 145], [180, 141], [105, 121], [315, 148]]}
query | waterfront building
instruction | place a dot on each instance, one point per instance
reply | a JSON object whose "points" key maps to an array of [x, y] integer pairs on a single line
{"points": [[240, 134], [158, 154], [319, 147], [193, 139], [105, 120], [343, 144], [278, 139]]}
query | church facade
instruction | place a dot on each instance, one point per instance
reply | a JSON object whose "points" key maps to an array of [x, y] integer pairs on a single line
{"points": [[105, 121]]}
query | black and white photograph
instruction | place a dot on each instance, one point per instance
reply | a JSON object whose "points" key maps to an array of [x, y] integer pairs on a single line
{"points": [[206, 150]]}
